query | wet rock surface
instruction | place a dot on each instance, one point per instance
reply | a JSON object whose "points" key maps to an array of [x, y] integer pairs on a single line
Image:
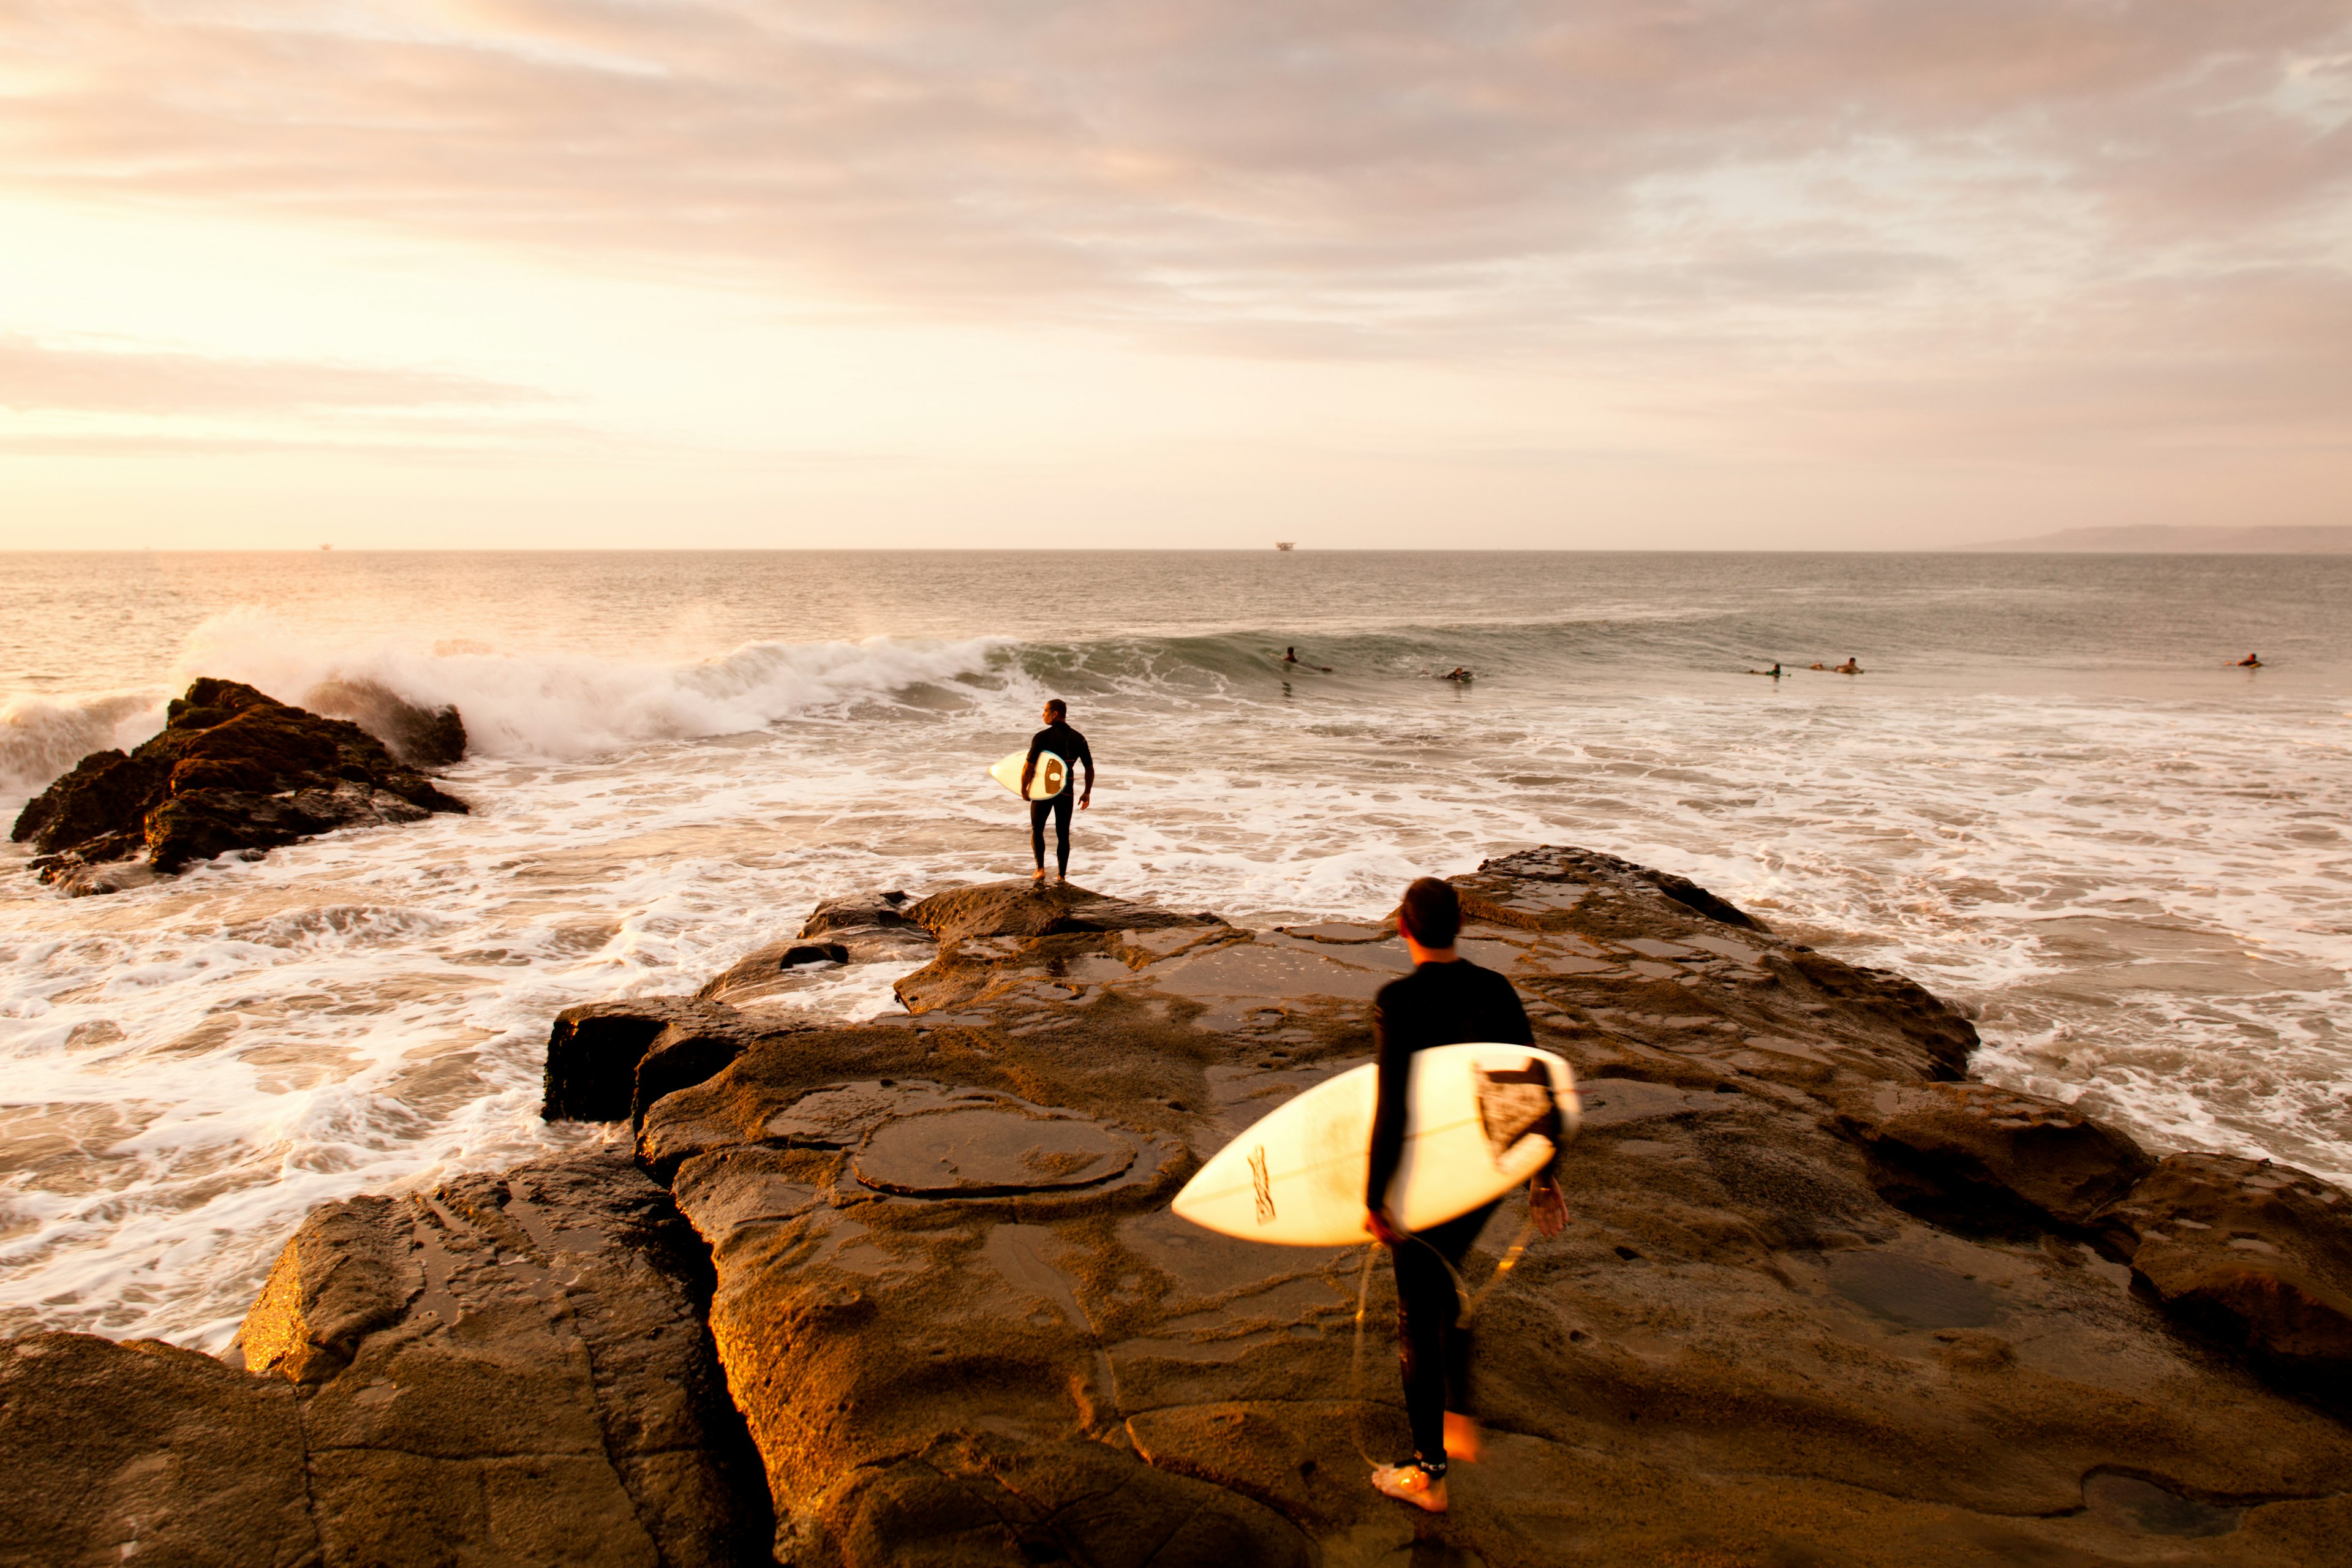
{"points": [[1822, 1300], [870, 929], [232, 771], [144, 1452], [1024, 908]]}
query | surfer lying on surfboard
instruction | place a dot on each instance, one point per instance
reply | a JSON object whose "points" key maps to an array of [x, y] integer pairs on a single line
{"points": [[1446, 1000], [1062, 742]]}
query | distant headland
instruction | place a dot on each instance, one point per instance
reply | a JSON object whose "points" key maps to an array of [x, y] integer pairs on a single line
{"points": [[2163, 538]]}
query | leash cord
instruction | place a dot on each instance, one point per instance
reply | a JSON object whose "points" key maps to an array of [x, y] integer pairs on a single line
{"points": [[1511, 1256]]}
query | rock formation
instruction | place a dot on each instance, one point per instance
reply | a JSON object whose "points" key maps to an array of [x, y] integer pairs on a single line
{"points": [[1822, 1300], [232, 770], [508, 1369]]}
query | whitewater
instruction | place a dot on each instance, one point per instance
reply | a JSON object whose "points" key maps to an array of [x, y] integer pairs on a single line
{"points": [[2050, 799]]}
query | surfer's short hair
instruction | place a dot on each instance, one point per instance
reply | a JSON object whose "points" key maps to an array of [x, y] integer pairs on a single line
{"points": [[1431, 912], [1057, 708]]}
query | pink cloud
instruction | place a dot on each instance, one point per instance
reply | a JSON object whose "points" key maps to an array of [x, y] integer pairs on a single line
{"points": [[1711, 186]]}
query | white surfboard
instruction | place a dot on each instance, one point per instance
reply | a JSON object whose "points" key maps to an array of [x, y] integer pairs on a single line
{"points": [[1044, 784], [1472, 1133]]}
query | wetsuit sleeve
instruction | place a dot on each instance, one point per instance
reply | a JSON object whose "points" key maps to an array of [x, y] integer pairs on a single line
{"points": [[1388, 1115], [1086, 755]]}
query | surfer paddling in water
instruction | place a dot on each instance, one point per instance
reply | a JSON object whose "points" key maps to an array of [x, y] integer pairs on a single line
{"points": [[1066, 743], [1446, 1000]]}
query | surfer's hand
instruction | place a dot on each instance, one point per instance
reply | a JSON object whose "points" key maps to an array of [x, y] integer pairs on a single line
{"points": [[1086, 800], [1383, 1231], [1546, 1206]]}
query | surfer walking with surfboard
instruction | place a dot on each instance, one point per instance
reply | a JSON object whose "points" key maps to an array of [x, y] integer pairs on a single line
{"points": [[1446, 1000], [1063, 748]]}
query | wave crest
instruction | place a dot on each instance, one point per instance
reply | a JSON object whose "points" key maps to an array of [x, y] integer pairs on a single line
{"points": [[42, 737], [569, 705]]}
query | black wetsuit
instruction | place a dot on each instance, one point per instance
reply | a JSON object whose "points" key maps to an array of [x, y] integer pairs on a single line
{"points": [[1437, 1005], [1071, 747]]}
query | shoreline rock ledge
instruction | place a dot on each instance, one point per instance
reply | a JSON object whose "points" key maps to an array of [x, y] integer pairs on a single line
{"points": [[234, 769], [906, 1290]]}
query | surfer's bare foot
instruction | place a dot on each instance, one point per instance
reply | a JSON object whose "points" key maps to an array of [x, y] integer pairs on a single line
{"points": [[1410, 1483], [1039, 875], [1463, 1441]]}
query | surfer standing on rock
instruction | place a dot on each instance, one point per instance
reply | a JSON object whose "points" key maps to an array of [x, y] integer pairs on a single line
{"points": [[1446, 1000], [1066, 743]]}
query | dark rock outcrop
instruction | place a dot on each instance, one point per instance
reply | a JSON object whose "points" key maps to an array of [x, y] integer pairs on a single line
{"points": [[233, 770], [593, 1051], [2259, 1253], [514, 1366]]}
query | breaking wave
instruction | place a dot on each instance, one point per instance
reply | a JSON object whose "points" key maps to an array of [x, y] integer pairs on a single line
{"points": [[42, 737], [566, 705]]}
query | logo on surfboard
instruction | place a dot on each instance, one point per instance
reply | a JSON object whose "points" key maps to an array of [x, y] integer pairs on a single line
{"points": [[1513, 1103]]}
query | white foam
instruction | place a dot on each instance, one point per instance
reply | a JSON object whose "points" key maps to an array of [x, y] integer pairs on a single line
{"points": [[191, 1066]]}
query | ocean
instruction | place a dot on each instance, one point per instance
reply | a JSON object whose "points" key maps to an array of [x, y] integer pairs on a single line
{"points": [[2051, 798]]}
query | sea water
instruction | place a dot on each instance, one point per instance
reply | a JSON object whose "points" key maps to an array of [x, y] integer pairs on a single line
{"points": [[2051, 798]]}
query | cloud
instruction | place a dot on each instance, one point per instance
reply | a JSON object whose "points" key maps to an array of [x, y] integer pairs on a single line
{"points": [[37, 377], [1849, 193]]}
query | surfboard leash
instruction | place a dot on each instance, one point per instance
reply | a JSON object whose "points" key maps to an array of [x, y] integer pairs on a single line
{"points": [[1355, 1361], [1511, 1256]]}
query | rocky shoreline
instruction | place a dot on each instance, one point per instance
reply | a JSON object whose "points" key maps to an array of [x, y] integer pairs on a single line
{"points": [[907, 1291]]}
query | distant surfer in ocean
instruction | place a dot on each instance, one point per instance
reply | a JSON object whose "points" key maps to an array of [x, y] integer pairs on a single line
{"points": [[1066, 743], [2251, 662], [1848, 667], [1459, 674], [1774, 672], [1290, 656], [1446, 1000]]}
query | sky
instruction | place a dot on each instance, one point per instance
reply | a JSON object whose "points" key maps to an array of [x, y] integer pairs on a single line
{"points": [[1879, 274]]}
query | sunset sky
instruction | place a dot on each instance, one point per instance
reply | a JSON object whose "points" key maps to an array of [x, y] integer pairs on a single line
{"points": [[1837, 273]]}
